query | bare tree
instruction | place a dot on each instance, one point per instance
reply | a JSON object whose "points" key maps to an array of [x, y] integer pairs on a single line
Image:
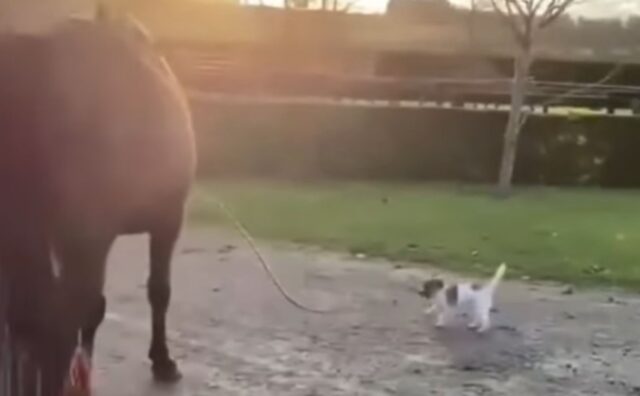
{"points": [[525, 19]]}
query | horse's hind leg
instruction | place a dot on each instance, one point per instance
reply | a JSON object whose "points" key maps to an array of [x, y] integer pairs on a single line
{"points": [[94, 321], [163, 239], [84, 261]]}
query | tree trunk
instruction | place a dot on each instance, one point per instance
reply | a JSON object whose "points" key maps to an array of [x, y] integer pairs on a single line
{"points": [[519, 91]]}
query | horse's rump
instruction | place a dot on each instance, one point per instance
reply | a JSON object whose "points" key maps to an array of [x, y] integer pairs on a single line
{"points": [[95, 137], [121, 137]]}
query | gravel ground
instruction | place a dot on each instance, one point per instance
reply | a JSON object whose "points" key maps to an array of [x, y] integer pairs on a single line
{"points": [[234, 335]]}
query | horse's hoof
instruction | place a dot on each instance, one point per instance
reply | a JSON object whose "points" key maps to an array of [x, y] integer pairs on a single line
{"points": [[166, 373]]}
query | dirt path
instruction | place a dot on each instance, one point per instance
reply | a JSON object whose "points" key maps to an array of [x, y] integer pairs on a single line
{"points": [[235, 336]]}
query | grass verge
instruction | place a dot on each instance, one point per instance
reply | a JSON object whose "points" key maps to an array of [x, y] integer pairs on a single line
{"points": [[583, 237]]}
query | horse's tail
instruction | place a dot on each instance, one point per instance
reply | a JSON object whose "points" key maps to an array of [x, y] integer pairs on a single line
{"points": [[28, 311], [5, 357]]}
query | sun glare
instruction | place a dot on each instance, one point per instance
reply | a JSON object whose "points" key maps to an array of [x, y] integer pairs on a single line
{"points": [[364, 6]]}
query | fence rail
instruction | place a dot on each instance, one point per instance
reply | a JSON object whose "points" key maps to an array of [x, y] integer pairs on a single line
{"points": [[221, 74], [223, 78]]}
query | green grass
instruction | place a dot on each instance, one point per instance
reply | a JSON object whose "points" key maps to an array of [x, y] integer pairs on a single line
{"points": [[587, 237]]}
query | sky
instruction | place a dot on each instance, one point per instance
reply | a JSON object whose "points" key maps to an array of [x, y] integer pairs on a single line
{"points": [[592, 8], [587, 8]]}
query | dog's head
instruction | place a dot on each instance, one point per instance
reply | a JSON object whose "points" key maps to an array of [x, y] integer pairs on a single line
{"points": [[431, 287]]}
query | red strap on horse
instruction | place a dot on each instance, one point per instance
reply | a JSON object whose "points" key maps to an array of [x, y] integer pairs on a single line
{"points": [[79, 374]]}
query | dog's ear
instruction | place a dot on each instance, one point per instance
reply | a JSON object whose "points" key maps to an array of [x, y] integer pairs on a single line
{"points": [[431, 287]]}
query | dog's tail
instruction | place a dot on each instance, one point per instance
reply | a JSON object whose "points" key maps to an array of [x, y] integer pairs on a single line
{"points": [[497, 277]]}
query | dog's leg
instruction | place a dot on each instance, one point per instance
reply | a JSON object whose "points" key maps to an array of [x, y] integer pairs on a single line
{"points": [[442, 318], [484, 322], [431, 309], [476, 314]]}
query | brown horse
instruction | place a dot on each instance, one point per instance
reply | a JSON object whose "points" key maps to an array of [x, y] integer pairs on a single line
{"points": [[96, 141]]}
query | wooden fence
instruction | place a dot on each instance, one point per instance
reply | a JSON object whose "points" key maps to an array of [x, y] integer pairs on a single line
{"points": [[211, 73]]}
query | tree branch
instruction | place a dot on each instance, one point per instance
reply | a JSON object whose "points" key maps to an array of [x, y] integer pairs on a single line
{"points": [[537, 6], [529, 6], [584, 89], [510, 19], [554, 10], [516, 3]]}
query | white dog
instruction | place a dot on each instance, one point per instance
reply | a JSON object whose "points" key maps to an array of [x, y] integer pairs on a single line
{"points": [[475, 299]]}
